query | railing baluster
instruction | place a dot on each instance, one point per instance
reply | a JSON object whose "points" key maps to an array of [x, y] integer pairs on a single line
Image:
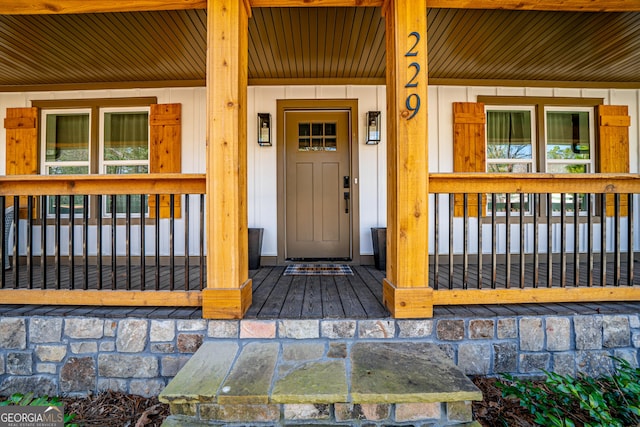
{"points": [[30, 242], [202, 272], [16, 240], [72, 236], [507, 220], [172, 257], [85, 241], [186, 242], [630, 250], [563, 240], [590, 240], [114, 246], [494, 254], [157, 242], [43, 242], [57, 241], [576, 241], [451, 214], [128, 238], [549, 240], [603, 240], [3, 235], [465, 242], [99, 240], [536, 242], [436, 241], [616, 237], [480, 218], [522, 260], [143, 243]]}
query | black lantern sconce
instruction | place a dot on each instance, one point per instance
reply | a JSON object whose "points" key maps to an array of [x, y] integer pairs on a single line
{"points": [[373, 127], [264, 129]]}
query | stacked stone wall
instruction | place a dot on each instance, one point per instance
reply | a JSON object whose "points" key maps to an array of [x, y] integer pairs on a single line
{"points": [[80, 355]]}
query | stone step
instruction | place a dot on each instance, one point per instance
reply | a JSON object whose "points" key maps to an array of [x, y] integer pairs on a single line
{"points": [[285, 383]]}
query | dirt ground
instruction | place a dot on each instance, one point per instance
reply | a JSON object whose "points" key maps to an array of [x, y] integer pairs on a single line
{"points": [[115, 409], [496, 411]]}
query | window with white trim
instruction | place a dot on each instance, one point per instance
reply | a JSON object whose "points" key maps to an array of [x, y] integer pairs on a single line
{"points": [[564, 145], [121, 147]]}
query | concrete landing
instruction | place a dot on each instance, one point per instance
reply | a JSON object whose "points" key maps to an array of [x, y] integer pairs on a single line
{"points": [[293, 383]]}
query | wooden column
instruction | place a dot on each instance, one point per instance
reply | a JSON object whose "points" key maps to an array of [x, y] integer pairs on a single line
{"points": [[405, 289], [228, 292]]}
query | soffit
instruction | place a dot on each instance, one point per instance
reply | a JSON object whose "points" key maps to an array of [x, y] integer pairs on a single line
{"points": [[321, 44]]}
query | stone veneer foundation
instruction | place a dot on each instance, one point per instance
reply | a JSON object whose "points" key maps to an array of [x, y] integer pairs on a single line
{"points": [[78, 355]]}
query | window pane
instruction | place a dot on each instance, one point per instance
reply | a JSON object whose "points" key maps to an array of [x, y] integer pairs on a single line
{"points": [[127, 169], [67, 170], [509, 135], [567, 168], [121, 205], [304, 129], [509, 167], [67, 137], [126, 136], [568, 135]]}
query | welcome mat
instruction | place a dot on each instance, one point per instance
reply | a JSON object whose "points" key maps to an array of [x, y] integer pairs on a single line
{"points": [[318, 270]]}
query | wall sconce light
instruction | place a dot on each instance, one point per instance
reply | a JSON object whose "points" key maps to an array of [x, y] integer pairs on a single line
{"points": [[373, 127], [264, 129]]}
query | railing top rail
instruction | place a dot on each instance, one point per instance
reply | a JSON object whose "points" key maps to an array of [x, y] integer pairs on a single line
{"points": [[49, 185], [533, 183]]}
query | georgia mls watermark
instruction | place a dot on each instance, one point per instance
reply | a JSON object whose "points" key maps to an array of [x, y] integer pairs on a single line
{"points": [[31, 416]]}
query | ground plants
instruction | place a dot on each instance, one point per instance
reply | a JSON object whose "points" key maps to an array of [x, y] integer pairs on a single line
{"points": [[567, 401], [30, 400]]}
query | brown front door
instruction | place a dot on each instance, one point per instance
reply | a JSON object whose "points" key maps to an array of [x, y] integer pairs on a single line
{"points": [[318, 193]]}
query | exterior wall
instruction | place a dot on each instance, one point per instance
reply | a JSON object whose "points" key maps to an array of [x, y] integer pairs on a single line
{"points": [[77, 355], [262, 170]]}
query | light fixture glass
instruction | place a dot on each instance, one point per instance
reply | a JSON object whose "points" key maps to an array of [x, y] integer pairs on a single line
{"points": [[264, 129], [373, 127]]}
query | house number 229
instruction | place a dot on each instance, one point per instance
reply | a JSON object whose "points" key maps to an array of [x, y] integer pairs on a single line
{"points": [[413, 99]]}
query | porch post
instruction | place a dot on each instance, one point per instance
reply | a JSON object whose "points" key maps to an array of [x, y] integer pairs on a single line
{"points": [[406, 291], [228, 292]]}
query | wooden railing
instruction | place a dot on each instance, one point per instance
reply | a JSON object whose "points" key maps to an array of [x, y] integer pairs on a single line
{"points": [[541, 251], [538, 238], [112, 240]]}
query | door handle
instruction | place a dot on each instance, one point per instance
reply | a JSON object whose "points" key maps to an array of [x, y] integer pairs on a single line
{"points": [[346, 200]]}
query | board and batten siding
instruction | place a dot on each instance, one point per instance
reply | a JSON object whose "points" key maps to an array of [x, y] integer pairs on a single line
{"points": [[262, 161]]}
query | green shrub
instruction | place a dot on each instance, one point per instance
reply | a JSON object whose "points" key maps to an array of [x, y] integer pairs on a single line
{"points": [[565, 401], [28, 399]]}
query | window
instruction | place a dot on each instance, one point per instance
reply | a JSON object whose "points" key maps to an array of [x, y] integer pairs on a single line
{"points": [[122, 147], [566, 147], [510, 140]]}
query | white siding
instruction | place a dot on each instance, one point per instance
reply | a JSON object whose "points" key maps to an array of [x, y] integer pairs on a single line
{"points": [[262, 163]]}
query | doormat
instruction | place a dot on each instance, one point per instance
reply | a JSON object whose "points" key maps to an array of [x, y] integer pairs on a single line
{"points": [[318, 270]]}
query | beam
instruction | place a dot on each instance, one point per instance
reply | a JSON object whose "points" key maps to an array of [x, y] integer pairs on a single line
{"points": [[54, 7], [550, 5], [39, 7], [101, 298], [228, 292], [405, 289]]}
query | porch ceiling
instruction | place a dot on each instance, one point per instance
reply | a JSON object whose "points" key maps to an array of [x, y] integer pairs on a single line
{"points": [[319, 45]]}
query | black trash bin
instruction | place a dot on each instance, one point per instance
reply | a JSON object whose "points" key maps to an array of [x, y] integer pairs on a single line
{"points": [[379, 237], [255, 247]]}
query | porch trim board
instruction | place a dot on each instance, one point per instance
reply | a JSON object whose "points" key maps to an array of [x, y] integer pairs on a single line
{"points": [[535, 296], [102, 297]]}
